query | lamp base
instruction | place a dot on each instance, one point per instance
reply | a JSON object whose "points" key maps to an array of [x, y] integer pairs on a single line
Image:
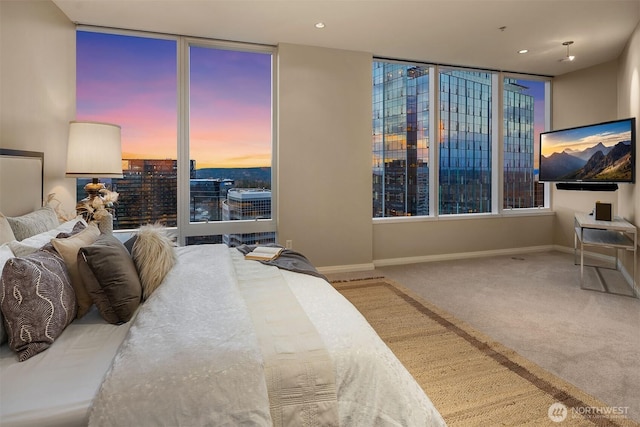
{"points": [[93, 188]]}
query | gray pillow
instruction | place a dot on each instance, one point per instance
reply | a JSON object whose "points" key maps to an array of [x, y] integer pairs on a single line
{"points": [[110, 278], [36, 222], [37, 301]]}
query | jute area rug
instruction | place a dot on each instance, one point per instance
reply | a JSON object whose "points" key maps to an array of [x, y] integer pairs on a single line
{"points": [[471, 379]]}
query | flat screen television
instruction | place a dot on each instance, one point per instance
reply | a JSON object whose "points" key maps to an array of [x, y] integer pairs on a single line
{"points": [[597, 153]]}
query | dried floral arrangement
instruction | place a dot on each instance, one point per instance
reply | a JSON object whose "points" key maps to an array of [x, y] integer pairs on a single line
{"points": [[99, 207]]}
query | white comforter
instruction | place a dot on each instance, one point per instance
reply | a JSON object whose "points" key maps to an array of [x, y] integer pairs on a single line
{"points": [[192, 357]]}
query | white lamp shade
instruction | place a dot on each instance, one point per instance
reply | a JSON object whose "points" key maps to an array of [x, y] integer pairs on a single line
{"points": [[94, 150]]}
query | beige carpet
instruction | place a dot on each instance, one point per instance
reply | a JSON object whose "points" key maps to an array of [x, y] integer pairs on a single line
{"points": [[471, 379]]}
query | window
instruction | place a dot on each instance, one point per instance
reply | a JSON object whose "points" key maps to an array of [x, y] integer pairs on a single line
{"points": [[400, 140], [230, 139], [131, 81], [463, 134], [197, 134], [465, 168], [524, 107]]}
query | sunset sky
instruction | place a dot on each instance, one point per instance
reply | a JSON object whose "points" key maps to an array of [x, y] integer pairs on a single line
{"points": [[131, 81]]}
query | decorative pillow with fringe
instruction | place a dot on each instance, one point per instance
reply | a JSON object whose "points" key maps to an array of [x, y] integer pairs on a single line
{"points": [[153, 254]]}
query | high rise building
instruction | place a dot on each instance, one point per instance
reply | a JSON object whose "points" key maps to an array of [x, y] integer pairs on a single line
{"points": [[400, 140], [147, 193], [243, 204], [401, 114], [521, 188], [206, 198]]}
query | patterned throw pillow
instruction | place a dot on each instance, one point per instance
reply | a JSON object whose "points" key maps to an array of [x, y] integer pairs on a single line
{"points": [[37, 301]]}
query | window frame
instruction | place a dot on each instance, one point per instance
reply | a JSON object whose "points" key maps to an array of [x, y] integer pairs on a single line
{"points": [[497, 146], [186, 228]]}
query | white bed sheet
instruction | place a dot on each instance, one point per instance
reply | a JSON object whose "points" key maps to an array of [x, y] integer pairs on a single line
{"points": [[58, 385]]}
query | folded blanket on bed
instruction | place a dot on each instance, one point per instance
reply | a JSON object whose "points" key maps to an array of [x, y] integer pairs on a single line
{"points": [[288, 260], [298, 369]]}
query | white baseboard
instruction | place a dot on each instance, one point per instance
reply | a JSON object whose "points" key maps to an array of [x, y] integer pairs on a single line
{"points": [[460, 255], [464, 255], [345, 268]]}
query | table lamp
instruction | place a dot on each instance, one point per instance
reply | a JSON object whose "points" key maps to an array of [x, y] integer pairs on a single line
{"points": [[94, 151]]}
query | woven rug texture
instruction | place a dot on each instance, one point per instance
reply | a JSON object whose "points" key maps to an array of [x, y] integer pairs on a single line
{"points": [[470, 378]]}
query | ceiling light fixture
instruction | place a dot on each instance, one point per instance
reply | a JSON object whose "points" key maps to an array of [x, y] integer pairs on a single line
{"points": [[523, 51], [319, 25], [569, 57]]}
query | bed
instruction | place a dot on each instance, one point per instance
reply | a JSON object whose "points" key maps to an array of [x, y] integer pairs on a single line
{"points": [[216, 340]]}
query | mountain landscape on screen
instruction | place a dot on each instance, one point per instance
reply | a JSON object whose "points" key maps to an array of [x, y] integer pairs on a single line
{"points": [[597, 163]]}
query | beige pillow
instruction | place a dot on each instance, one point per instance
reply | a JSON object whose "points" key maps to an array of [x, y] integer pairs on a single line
{"points": [[154, 255], [6, 233], [68, 248]]}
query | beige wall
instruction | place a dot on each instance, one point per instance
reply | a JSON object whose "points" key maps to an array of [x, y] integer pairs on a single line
{"points": [[629, 106], [424, 240], [605, 92], [324, 153], [580, 98], [37, 86]]}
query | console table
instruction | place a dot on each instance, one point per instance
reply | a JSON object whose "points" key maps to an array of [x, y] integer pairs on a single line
{"points": [[616, 234]]}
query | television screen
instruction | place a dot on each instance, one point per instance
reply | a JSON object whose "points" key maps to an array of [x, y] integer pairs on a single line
{"points": [[602, 152]]}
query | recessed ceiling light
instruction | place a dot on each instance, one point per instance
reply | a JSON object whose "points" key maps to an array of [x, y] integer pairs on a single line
{"points": [[523, 51], [320, 25]]}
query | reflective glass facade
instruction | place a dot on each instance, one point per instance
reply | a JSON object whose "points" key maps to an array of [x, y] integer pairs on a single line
{"points": [[521, 188], [400, 140], [465, 142], [464, 137]]}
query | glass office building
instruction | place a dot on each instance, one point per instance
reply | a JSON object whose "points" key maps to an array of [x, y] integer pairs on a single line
{"points": [[400, 140], [401, 160]]}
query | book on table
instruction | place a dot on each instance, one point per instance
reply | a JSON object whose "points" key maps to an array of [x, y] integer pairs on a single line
{"points": [[264, 253]]}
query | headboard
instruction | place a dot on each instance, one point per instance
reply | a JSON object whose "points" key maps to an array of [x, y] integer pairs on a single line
{"points": [[21, 181]]}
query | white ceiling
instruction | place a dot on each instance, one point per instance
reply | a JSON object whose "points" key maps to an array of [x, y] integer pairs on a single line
{"points": [[456, 32]]}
